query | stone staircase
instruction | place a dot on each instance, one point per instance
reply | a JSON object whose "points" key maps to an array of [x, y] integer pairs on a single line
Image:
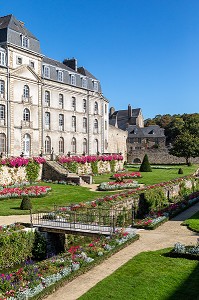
{"points": [[54, 171]]}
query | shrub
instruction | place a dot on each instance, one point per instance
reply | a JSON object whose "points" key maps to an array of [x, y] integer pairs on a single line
{"points": [[32, 171], [26, 203], [180, 171], [145, 166], [39, 247]]}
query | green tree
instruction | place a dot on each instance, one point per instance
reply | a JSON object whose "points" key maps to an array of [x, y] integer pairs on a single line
{"points": [[145, 166], [186, 145]]}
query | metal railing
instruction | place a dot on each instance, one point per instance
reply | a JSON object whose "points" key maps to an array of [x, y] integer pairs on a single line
{"points": [[85, 220]]}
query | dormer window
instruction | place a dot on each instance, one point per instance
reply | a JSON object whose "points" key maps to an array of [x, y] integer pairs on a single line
{"points": [[25, 42], [95, 86], [32, 64], [46, 71], [2, 58], [60, 75], [19, 60], [72, 79], [84, 83]]}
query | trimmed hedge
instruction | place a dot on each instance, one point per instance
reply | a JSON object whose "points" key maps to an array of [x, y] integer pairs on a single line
{"points": [[15, 247]]}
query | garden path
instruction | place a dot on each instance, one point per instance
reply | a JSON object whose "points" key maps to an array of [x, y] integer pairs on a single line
{"points": [[164, 236]]}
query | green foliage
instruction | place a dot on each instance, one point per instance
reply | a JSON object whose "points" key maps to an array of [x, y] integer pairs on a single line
{"points": [[193, 222], [39, 247], [155, 198], [184, 191], [94, 166], [72, 166], [26, 203], [112, 165], [180, 171], [15, 248], [32, 171], [145, 166]]}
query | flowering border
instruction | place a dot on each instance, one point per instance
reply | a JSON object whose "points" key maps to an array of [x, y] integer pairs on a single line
{"points": [[89, 158]]}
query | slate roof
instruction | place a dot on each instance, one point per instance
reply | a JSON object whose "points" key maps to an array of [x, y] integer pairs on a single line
{"points": [[150, 131], [83, 71], [121, 118], [57, 64], [10, 22]]}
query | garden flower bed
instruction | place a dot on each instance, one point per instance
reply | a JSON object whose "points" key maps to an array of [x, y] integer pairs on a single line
{"points": [[150, 222], [20, 161], [121, 176], [31, 191], [38, 279], [112, 186], [181, 250]]}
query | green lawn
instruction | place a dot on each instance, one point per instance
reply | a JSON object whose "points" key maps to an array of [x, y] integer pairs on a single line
{"points": [[60, 195], [156, 176], [150, 275], [193, 222]]}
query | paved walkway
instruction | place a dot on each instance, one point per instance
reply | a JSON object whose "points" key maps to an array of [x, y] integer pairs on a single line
{"points": [[164, 236]]}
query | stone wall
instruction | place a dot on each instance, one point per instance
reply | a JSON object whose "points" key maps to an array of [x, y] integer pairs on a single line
{"points": [[157, 156], [117, 141], [9, 176], [103, 167]]}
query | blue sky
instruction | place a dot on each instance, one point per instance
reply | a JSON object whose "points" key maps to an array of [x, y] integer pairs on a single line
{"points": [[144, 52]]}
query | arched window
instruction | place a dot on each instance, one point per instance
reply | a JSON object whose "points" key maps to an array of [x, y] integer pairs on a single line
{"points": [[85, 147], [95, 126], [47, 145], [26, 91], [26, 115], [2, 88], [26, 144], [61, 145], [96, 146], [61, 101], [74, 145], [47, 98], [96, 108], [2, 143]]}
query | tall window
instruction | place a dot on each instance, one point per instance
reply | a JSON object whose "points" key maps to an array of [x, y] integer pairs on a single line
{"points": [[46, 71], [85, 125], [2, 143], [47, 145], [61, 101], [61, 122], [61, 145], [47, 120], [26, 144], [2, 58], [105, 108], [72, 79], [2, 114], [84, 105], [74, 145], [25, 42], [84, 83], [106, 144], [26, 115], [26, 91], [95, 86], [95, 126], [60, 75], [73, 123], [73, 103], [105, 125], [96, 110], [2, 88], [85, 147], [47, 98], [96, 146]]}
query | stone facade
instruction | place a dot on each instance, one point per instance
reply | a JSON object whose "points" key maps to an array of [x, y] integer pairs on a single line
{"points": [[117, 141], [157, 156], [45, 105]]}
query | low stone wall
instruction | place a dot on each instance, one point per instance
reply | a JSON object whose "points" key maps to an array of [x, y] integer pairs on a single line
{"points": [[170, 191], [103, 167], [157, 156], [9, 176]]}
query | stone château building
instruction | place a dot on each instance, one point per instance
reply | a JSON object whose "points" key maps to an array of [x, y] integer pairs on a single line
{"points": [[45, 104]]}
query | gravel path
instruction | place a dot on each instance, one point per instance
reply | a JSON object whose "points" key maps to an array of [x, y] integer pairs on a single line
{"points": [[164, 236]]}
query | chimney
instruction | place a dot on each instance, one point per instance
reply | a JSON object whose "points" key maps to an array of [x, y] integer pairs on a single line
{"points": [[71, 63], [129, 111], [21, 23]]}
